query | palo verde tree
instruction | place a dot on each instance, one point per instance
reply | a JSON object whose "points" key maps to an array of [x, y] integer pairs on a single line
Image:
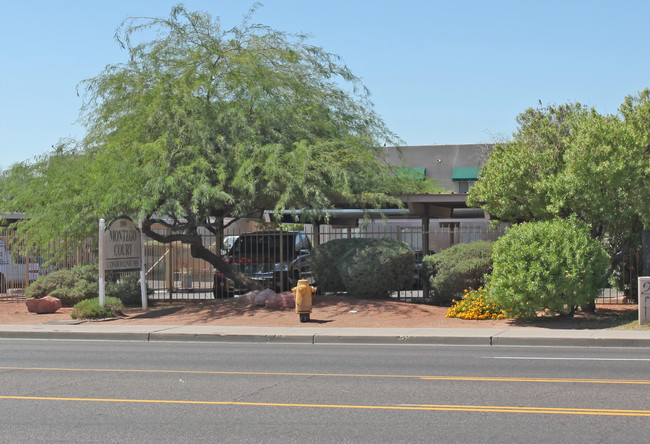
{"points": [[204, 125], [569, 159]]}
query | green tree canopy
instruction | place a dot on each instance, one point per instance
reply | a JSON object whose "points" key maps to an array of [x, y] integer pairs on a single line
{"points": [[205, 124], [569, 159]]}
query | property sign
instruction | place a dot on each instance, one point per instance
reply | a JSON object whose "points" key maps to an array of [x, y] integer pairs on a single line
{"points": [[122, 245]]}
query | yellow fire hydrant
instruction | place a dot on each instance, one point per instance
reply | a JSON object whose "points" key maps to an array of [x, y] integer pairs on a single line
{"points": [[303, 293]]}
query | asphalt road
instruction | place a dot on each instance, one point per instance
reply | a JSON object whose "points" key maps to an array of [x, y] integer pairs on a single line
{"points": [[123, 392]]}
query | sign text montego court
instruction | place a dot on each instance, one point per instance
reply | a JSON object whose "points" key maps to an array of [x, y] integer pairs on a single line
{"points": [[122, 246]]}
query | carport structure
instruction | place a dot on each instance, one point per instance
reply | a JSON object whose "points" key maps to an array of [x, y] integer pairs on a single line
{"points": [[424, 207]]}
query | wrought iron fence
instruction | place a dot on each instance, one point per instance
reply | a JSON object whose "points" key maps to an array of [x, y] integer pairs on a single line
{"points": [[173, 274], [22, 263]]}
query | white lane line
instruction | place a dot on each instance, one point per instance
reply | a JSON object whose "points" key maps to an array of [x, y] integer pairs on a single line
{"points": [[536, 358]]}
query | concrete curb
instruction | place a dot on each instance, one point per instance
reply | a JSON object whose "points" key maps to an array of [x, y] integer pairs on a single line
{"points": [[300, 335]]}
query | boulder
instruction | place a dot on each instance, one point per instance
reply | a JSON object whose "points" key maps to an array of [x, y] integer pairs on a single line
{"points": [[47, 304], [262, 296], [257, 297], [281, 301]]}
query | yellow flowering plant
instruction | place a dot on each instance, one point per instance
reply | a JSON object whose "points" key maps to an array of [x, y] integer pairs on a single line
{"points": [[476, 304]]}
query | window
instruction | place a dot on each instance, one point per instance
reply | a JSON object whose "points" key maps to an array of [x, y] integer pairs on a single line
{"points": [[465, 177], [465, 185]]}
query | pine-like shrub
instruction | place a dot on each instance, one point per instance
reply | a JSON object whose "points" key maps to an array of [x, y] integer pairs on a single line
{"points": [[376, 267], [363, 267], [324, 259], [548, 267], [452, 271]]}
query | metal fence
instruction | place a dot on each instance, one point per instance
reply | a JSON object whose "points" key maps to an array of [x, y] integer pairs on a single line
{"points": [[22, 263], [173, 274]]}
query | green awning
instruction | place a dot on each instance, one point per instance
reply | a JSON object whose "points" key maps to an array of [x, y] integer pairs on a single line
{"points": [[415, 173], [465, 173]]}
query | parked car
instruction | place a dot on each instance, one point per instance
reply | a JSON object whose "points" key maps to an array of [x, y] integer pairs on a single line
{"points": [[227, 244], [277, 259]]}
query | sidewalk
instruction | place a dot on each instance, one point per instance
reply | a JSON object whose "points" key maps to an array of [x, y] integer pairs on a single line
{"points": [[310, 335]]}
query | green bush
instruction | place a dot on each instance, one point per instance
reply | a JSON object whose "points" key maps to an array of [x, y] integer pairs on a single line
{"points": [[377, 267], [363, 267], [90, 309], [324, 259], [82, 282], [126, 289], [458, 268], [550, 266], [70, 286]]}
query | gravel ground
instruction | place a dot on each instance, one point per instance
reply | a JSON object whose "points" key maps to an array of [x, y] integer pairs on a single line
{"points": [[328, 311]]}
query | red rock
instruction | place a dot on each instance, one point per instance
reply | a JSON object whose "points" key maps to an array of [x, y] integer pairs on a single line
{"points": [[47, 304], [247, 299]]}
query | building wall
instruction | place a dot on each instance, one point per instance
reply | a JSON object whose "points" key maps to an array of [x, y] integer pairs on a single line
{"points": [[439, 161]]}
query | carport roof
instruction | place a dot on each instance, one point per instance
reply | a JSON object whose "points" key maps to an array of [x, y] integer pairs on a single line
{"points": [[417, 206]]}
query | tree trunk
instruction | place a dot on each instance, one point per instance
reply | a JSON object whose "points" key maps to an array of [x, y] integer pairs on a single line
{"points": [[199, 251]]}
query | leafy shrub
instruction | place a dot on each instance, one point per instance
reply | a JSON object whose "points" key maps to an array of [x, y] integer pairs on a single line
{"points": [[126, 288], [460, 267], [552, 266], [363, 267], [90, 308], [70, 286], [476, 304], [82, 282]]}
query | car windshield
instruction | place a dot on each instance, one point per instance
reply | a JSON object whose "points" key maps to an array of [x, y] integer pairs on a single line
{"points": [[265, 246]]}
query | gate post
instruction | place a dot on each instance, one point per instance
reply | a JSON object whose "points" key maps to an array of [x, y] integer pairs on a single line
{"points": [[102, 264], [646, 251], [644, 300], [425, 252]]}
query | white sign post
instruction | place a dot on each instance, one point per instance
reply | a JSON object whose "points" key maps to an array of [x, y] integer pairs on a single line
{"points": [[102, 265], [143, 271], [120, 249], [644, 300]]}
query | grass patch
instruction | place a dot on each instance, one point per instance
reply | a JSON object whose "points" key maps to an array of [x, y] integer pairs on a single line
{"points": [[615, 317], [630, 321], [90, 309]]}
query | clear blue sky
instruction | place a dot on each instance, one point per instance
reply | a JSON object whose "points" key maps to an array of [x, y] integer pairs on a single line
{"points": [[440, 72]]}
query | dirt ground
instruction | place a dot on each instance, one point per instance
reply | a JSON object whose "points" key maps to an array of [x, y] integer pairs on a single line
{"points": [[328, 311]]}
